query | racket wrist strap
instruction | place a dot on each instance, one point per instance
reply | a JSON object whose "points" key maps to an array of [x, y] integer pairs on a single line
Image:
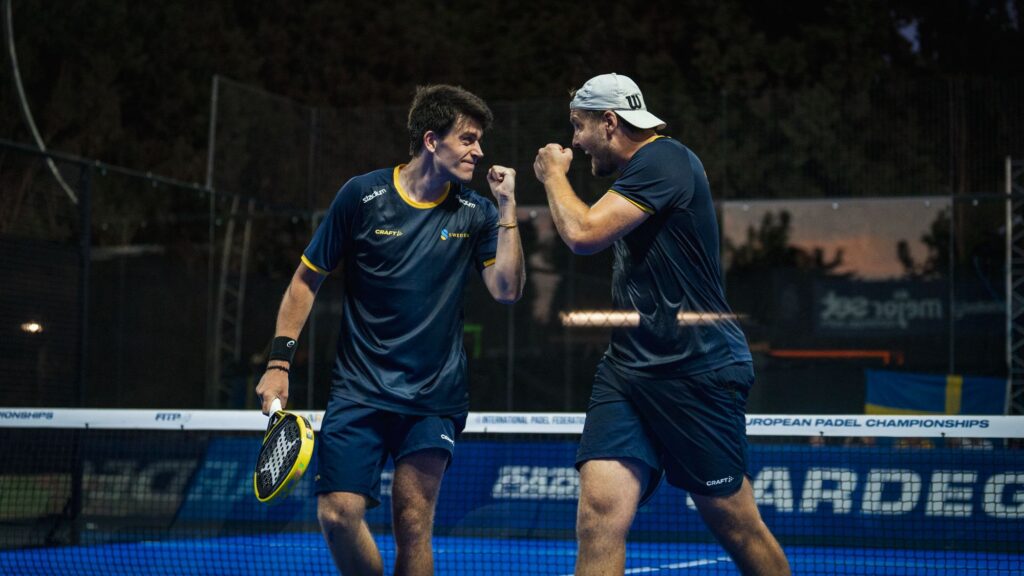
{"points": [[283, 348]]}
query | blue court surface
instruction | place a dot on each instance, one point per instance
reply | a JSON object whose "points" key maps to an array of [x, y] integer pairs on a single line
{"points": [[307, 554]]}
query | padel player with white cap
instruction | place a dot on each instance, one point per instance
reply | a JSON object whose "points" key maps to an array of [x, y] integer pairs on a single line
{"points": [[669, 395]]}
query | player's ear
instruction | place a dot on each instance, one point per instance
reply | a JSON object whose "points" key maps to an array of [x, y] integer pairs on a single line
{"points": [[430, 139], [609, 121]]}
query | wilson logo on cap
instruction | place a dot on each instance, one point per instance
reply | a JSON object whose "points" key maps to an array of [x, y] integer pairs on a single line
{"points": [[617, 93]]}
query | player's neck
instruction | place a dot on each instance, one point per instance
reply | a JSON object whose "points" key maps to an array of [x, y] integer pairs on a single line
{"points": [[631, 143], [421, 181]]}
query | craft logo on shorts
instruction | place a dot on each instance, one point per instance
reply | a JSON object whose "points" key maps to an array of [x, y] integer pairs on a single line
{"points": [[386, 232], [377, 191], [445, 234], [719, 481]]}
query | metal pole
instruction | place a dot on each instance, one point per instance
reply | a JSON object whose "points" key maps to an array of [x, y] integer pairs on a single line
{"points": [[510, 349], [212, 346], [952, 286], [952, 211], [25, 110], [310, 193], [211, 140], [85, 258], [1009, 285]]}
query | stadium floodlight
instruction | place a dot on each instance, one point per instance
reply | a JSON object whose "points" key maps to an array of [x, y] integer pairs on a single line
{"points": [[32, 327], [627, 318]]}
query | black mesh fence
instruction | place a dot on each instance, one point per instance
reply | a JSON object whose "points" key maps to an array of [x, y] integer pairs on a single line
{"points": [[865, 235]]}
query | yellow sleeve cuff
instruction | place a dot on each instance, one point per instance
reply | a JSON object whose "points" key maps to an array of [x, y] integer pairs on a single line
{"points": [[646, 209], [313, 267]]}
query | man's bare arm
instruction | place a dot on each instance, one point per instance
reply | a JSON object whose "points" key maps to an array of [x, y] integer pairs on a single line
{"points": [[291, 317]]}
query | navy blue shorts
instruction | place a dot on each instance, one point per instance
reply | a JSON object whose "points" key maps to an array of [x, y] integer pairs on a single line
{"points": [[355, 442], [691, 429]]}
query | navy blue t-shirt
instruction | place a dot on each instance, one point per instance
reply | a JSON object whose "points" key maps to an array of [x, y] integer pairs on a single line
{"points": [[405, 265], [667, 269]]}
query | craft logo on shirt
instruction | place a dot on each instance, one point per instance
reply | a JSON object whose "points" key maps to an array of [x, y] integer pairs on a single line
{"points": [[445, 234], [385, 232], [377, 191]]}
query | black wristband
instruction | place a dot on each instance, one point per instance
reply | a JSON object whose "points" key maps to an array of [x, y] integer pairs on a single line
{"points": [[278, 367], [282, 348]]}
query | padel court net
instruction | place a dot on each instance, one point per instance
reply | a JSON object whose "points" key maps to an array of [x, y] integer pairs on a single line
{"points": [[171, 492]]}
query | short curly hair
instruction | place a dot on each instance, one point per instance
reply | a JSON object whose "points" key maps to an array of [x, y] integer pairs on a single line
{"points": [[437, 107]]}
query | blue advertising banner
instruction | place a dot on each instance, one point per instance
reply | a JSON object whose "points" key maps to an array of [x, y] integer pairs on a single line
{"points": [[881, 494]]}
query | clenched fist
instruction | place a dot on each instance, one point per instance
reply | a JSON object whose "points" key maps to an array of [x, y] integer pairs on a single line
{"points": [[552, 160]]}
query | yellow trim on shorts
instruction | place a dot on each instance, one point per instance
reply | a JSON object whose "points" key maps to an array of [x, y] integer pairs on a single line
{"points": [[313, 267], [646, 209]]}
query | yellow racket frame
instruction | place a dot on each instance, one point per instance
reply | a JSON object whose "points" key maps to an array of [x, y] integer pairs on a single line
{"points": [[306, 438]]}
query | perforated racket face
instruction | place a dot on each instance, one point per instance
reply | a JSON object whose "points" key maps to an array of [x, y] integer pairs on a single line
{"points": [[277, 458]]}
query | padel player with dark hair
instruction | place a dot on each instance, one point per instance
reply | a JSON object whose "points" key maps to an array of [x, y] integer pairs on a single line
{"points": [[669, 396], [405, 239]]}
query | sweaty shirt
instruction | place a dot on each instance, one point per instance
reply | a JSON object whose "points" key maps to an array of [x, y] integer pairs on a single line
{"points": [[667, 269], [404, 265]]}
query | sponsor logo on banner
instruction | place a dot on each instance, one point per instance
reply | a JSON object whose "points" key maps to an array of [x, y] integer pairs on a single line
{"points": [[862, 423], [832, 490], [26, 415], [838, 490], [896, 312], [179, 417], [522, 482]]}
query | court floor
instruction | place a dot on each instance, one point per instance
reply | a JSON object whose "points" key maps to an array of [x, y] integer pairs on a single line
{"points": [[305, 553]]}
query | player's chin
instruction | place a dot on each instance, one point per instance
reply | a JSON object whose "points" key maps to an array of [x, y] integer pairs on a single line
{"points": [[465, 172]]}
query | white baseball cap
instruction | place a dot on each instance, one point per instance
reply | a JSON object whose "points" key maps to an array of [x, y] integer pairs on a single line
{"points": [[617, 93]]}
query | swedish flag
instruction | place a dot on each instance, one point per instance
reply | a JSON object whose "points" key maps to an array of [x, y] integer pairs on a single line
{"points": [[909, 393]]}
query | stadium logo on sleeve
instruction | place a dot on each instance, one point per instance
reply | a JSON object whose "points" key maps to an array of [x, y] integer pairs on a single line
{"points": [[377, 191], [466, 203]]}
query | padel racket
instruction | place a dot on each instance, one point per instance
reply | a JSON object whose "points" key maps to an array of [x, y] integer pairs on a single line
{"points": [[287, 448]]}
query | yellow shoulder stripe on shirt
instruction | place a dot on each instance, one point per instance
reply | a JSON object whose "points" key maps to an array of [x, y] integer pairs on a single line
{"points": [[646, 209], [489, 262], [313, 267]]}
